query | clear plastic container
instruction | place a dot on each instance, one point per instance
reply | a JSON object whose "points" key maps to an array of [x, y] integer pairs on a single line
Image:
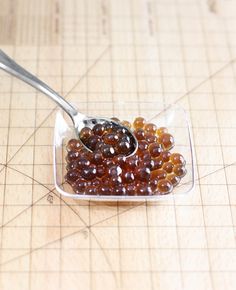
{"points": [[171, 116]]}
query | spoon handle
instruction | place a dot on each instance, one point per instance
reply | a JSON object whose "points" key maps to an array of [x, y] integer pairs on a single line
{"points": [[10, 66]]}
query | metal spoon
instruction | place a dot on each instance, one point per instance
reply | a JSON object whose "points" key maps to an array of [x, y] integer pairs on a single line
{"points": [[80, 120]]}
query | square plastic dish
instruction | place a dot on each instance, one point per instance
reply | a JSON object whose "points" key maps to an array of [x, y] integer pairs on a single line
{"points": [[171, 116]]}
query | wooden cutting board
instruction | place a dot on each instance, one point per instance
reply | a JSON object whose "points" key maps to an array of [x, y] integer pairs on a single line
{"points": [[181, 51]]}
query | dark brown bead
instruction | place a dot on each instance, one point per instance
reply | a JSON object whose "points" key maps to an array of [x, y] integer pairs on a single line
{"points": [[179, 170], [168, 167], [104, 190], [150, 128], [177, 158], [123, 147], [92, 141], [111, 138], [98, 129], [72, 175], [167, 141], [150, 163], [89, 173], [139, 134], [79, 186], [164, 186], [101, 171], [143, 189], [143, 173], [120, 160], [159, 174], [72, 165], [114, 170], [115, 180], [128, 177], [95, 182], [150, 138], [131, 189], [91, 190], [108, 126], [173, 179], [139, 122], [119, 190], [158, 162], [73, 145], [97, 158], [155, 149], [82, 162], [153, 184], [108, 151], [72, 155], [99, 146], [131, 163], [142, 145]]}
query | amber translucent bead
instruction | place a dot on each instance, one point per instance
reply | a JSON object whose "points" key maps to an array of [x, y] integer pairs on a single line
{"points": [[179, 170], [72, 175], [168, 167], [177, 158], [161, 131], [139, 134], [159, 174], [111, 138], [150, 128], [108, 151], [126, 124], [150, 138], [120, 160], [139, 122], [131, 163], [155, 149], [173, 179], [165, 156], [143, 173], [167, 140], [164, 186], [73, 145], [85, 133], [153, 184], [98, 129]]}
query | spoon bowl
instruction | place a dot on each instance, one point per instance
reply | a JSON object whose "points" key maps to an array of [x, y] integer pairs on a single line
{"points": [[79, 120]]}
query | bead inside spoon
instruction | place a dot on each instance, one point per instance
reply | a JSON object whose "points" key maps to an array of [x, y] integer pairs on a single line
{"points": [[79, 120]]}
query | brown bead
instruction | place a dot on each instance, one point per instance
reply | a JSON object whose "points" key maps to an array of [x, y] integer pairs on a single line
{"points": [[167, 140], [143, 189], [72, 165], [72, 175], [155, 149], [120, 160], [179, 170], [139, 122], [161, 131], [95, 182], [83, 162], [111, 138], [131, 189], [92, 141], [97, 158], [73, 145], [142, 145], [114, 170], [115, 180], [123, 147], [150, 128], [72, 155], [159, 174], [115, 119], [126, 124], [104, 190], [150, 138], [173, 179], [168, 167], [79, 186], [89, 172], [157, 163], [108, 126], [119, 190], [164, 186], [131, 163], [165, 156], [108, 151], [153, 184], [85, 133], [98, 129], [143, 173], [101, 171], [128, 177], [150, 163], [177, 158], [139, 134]]}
